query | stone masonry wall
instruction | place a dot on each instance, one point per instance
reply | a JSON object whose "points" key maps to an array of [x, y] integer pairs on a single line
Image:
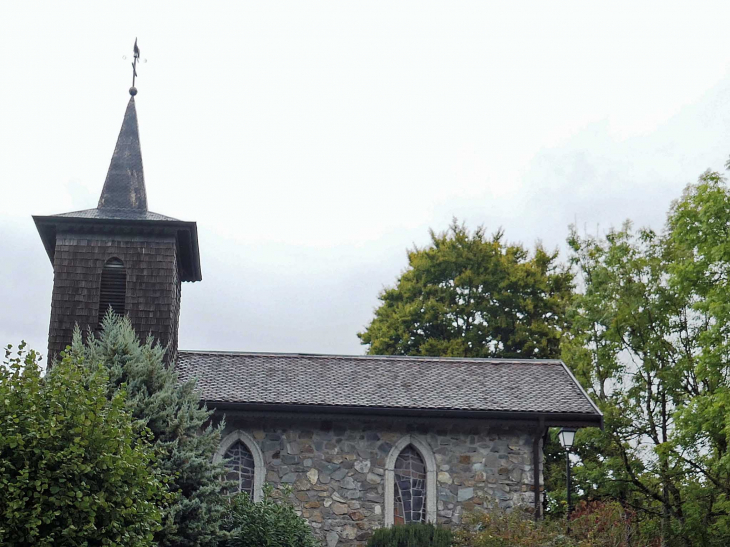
{"points": [[336, 467]]}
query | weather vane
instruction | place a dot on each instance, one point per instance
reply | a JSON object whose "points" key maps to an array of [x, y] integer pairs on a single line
{"points": [[133, 90]]}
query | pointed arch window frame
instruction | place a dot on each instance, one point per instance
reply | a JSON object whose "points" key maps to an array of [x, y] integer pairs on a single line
{"points": [[259, 470], [426, 453]]}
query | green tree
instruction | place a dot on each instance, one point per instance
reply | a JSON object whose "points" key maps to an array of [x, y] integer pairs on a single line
{"points": [[627, 319], [650, 340], [469, 295], [74, 464], [180, 427], [699, 226]]}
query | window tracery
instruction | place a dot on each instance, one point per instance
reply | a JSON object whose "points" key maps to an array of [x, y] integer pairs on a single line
{"points": [[410, 482], [244, 463], [241, 467], [410, 487]]}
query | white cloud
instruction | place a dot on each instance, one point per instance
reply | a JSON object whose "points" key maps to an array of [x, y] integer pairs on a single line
{"points": [[314, 142]]}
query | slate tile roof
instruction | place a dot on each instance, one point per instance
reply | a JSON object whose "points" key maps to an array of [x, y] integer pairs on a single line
{"points": [[124, 185], [543, 386]]}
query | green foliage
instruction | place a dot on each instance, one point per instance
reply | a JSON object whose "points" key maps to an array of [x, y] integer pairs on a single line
{"points": [[269, 523], [179, 424], [467, 295], [650, 340], [75, 467], [411, 535]]}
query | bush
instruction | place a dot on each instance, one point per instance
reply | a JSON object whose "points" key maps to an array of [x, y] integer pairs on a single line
{"points": [[604, 524], [269, 523], [594, 524], [411, 535], [74, 465], [498, 528]]}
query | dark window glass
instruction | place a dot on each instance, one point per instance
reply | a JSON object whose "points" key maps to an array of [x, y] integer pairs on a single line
{"points": [[410, 487], [113, 291], [240, 467]]}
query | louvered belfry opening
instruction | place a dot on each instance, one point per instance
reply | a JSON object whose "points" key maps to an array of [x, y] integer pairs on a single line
{"points": [[113, 290]]}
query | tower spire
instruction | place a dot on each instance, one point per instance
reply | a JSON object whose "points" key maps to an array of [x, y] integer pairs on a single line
{"points": [[145, 255], [124, 185]]}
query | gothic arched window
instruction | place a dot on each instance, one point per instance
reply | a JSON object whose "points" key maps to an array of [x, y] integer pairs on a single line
{"points": [[410, 487], [113, 289], [240, 466], [244, 463], [410, 482]]}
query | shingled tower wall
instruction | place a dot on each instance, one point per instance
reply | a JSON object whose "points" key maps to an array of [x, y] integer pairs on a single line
{"points": [[152, 292], [157, 253]]}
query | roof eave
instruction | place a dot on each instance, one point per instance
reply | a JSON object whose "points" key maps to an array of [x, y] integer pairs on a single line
{"points": [[551, 419], [47, 232], [583, 391], [47, 227]]}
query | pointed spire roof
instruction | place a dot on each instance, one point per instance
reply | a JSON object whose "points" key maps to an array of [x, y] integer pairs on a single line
{"points": [[122, 206], [124, 186]]}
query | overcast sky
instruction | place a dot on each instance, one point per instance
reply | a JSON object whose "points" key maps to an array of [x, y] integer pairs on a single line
{"points": [[314, 142]]}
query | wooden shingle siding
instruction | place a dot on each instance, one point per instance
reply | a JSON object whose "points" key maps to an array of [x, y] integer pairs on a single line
{"points": [[152, 299]]}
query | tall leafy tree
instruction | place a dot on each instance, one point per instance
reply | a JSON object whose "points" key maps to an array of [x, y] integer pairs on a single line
{"points": [[627, 316], [699, 228], [470, 295], [75, 467], [650, 339], [179, 424]]}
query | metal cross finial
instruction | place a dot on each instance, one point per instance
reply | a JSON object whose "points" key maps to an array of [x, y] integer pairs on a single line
{"points": [[133, 90]]}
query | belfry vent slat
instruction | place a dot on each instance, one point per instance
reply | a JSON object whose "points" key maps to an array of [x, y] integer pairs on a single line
{"points": [[113, 289]]}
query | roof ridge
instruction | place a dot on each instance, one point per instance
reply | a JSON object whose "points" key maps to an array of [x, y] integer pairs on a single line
{"points": [[541, 361]]}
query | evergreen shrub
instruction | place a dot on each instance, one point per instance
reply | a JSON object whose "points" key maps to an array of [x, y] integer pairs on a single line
{"points": [[411, 535], [270, 522]]}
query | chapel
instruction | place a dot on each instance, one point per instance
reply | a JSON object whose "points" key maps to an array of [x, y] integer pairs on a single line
{"points": [[362, 441]]}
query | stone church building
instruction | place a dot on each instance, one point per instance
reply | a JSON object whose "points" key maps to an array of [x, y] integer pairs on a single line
{"points": [[363, 441]]}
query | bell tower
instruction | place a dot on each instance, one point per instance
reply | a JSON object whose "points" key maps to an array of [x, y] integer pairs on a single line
{"points": [[119, 255]]}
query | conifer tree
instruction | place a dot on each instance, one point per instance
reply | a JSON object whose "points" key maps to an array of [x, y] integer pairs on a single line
{"points": [[179, 423]]}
